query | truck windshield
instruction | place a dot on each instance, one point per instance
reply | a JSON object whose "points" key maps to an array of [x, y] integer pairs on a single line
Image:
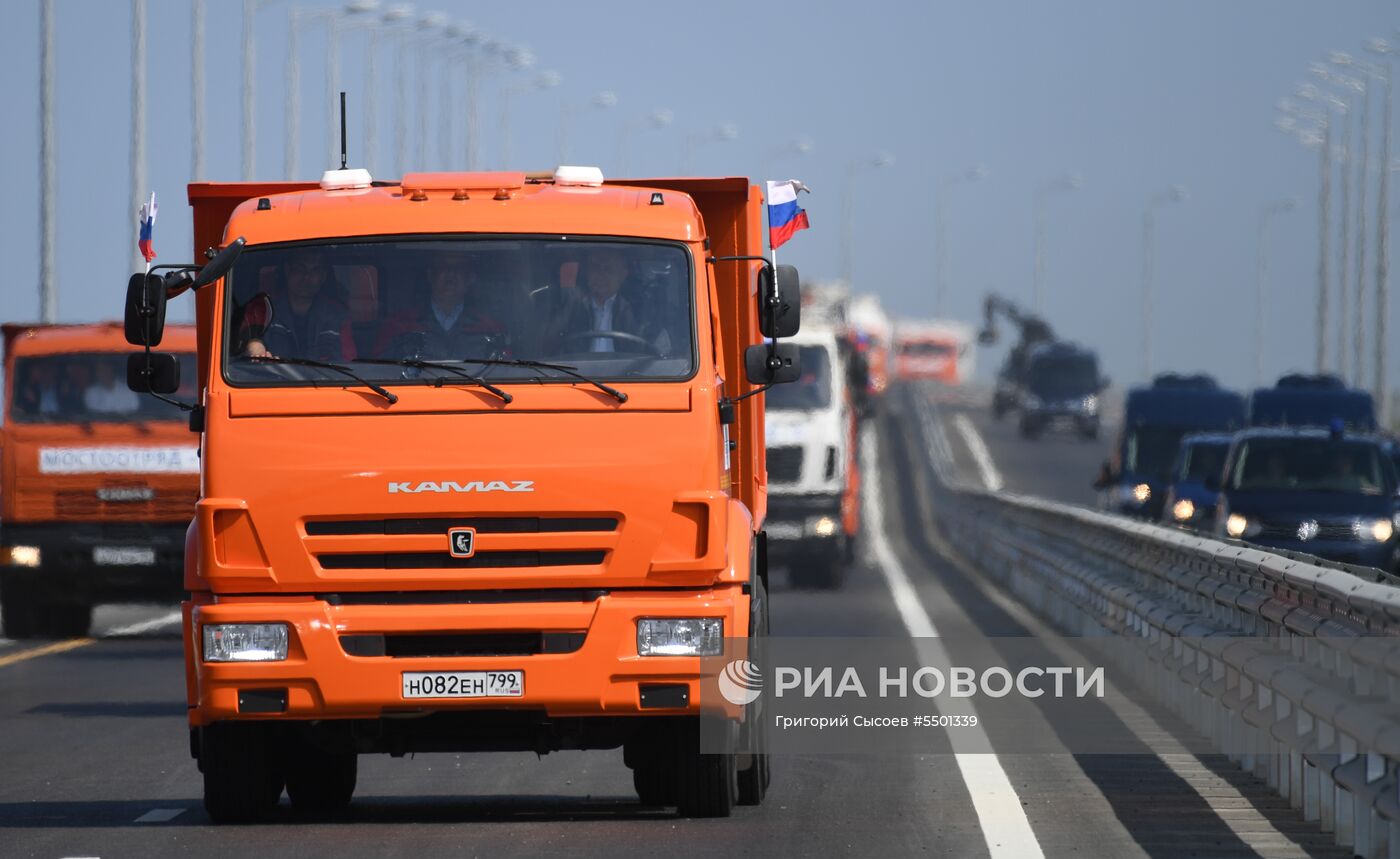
{"points": [[1064, 376], [1310, 465], [1203, 459], [610, 309], [87, 387], [1149, 451], [812, 391]]}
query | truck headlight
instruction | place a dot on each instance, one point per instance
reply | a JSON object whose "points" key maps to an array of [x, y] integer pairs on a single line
{"points": [[1239, 525], [24, 556], [1183, 510], [1380, 530], [821, 526], [680, 636], [245, 642], [1142, 493], [1090, 404]]}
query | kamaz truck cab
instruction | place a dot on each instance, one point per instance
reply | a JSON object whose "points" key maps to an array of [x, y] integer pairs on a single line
{"points": [[813, 510], [483, 469]]}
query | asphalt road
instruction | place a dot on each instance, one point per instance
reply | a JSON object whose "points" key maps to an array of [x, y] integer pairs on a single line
{"points": [[94, 757]]}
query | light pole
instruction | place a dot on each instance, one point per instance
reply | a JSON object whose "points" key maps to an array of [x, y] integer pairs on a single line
{"points": [[848, 211], [656, 120], [1062, 185], [1175, 194], [138, 123], [940, 229], [430, 26], [48, 171], [725, 132], [1322, 138], [542, 81], [1351, 87], [1266, 214], [605, 100], [799, 146], [197, 90], [1381, 393]]}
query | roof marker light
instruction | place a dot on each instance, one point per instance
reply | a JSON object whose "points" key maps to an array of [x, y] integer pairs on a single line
{"points": [[345, 180], [589, 177]]}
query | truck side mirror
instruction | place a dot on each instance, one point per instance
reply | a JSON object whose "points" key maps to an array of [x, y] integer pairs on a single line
{"points": [[780, 316], [220, 264], [145, 309], [785, 364], [152, 373]]}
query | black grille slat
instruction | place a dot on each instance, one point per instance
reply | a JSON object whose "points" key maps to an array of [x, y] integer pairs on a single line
{"points": [[495, 597], [446, 644], [784, 464], [439, 525], [442, 560]]}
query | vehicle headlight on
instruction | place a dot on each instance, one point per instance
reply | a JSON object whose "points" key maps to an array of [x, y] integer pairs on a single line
{"points": [[680, 636], [1239, 525], [245, 642], [1183, 510], [1380, 530], [821, 526], [1090, 404], [24, 556], [1142, 493]]}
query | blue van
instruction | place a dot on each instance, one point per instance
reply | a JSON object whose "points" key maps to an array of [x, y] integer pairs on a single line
{"points": [[1301, 400], [1155, 419], [1194, 490]]}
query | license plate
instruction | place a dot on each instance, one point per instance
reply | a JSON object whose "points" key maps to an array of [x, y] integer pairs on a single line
{"points": [[124, 556], [463, 684]]}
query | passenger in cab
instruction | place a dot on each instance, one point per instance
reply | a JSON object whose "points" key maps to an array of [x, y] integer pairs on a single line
{"points": [[108, 395], [452, 321], [41, 394], [302, 316]]}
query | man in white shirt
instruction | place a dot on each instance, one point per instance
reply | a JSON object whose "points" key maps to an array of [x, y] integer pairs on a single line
{"points": [[107, 395]]}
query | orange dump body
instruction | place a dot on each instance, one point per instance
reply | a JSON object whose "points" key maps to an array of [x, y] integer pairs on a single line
{"points": [[97, 486], [328, 509]]}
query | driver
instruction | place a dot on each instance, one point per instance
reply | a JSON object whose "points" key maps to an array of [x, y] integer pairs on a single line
{"points": [[302, 317], [452, 323], [600, 305]]}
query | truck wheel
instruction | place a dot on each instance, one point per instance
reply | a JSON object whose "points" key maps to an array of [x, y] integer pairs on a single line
{"points": [[320, 782], [753, 734], [17, 612], [655, 783], [64, 620], [706, 784], [242, 777]]}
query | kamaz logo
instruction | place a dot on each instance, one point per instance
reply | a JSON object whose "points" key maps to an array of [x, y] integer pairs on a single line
{"points": [[453, 486]]}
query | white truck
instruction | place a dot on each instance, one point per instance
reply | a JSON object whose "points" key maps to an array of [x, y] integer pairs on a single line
{"points": [[813, 480]]}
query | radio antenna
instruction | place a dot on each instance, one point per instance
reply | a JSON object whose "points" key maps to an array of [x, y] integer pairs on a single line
{"points": [[342, 130]]}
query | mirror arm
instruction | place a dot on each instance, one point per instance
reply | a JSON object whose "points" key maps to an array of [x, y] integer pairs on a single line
{"points": [[739, 399], [184, 407]]}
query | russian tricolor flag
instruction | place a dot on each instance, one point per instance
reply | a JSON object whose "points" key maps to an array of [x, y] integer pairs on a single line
{"points": [[785, 217], [148, 226]]}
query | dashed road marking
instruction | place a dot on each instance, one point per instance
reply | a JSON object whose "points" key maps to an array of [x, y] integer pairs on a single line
{"points": [[160, 815], [169, 619], [1000, 814], [46, 650], [991, 478]]}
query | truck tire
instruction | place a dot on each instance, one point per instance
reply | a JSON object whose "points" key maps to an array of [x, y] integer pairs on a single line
{"points": [[655, 782], [706, 784], [319, 782], [243, 778], [64, 620], [17, 611], [753, 734]]}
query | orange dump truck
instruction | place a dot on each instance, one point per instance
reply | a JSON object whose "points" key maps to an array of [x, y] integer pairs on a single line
{"points": [[97, 485], [481, 472]]}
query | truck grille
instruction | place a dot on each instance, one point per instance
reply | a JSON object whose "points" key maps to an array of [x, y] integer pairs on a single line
{"points": [[84, 504], [483, 525], [444, 561], [410, 645], [784, 464]]}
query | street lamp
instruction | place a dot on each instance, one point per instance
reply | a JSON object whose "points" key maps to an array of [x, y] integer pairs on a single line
{"points": [[798, 146], [1380, 393], [542, 81], [725, 132], [848, 206], [430, 27], [605, 100], [1350, 87], [971, 174], [1062, 185], [1324, 117], [1174, 194], [48, 171], [1266, 213], [656, 120]]}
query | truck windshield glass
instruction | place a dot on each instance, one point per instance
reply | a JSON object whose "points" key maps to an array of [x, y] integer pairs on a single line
{"points": [[1067, 376], [1310, 465], [1203, 459], [88, 387], [812, 391], [1149, 451], [612, 310]]}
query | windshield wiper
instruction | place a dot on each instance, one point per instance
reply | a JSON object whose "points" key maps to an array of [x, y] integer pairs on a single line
{"points": [[620, 396], [324, 365], [433, 365]]}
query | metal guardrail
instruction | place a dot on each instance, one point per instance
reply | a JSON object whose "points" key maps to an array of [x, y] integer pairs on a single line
{"points": [[1289, 667]]}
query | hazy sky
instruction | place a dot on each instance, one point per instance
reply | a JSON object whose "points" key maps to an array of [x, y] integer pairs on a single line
{"points": [[1133, 96]]}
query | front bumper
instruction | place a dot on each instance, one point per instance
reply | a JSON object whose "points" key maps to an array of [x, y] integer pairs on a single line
{"points": [[69, 565], [808, 521], [604, 676]]}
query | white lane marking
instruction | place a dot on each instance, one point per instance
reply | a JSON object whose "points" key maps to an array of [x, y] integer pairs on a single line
{"points": [[145, 626], [991, 478], [1000, 814], [160, 815]]}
